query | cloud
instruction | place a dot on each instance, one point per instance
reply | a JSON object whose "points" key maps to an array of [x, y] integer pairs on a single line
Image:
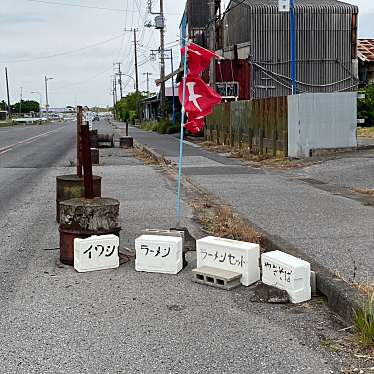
{"points": [[366, 26], [13, 19]]}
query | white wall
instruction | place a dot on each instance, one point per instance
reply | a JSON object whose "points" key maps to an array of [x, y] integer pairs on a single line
{"points": [[321, 121]]}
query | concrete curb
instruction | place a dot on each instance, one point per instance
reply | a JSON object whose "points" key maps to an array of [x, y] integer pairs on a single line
{"points": [[342, 298]]}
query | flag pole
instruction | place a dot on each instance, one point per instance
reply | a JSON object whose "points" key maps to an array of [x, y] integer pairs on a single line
{"points": [[180, 163]]}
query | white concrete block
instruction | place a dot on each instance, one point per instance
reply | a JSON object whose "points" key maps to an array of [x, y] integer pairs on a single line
{"points": [[159, 254], [230, 255], [288, 273], [96, 253]]}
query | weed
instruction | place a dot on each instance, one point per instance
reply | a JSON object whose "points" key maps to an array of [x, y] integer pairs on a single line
{"points": [[365, 132], [222, 222], [141, 154], [364, 321]]}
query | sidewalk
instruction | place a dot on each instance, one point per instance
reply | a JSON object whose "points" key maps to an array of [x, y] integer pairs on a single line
{"points": [[320, 220]]}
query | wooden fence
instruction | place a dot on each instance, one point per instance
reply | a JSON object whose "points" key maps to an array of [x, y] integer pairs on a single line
{"points": [[259, 125]]}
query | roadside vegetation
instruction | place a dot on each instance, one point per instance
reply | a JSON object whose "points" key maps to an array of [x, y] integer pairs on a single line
{"points": [[163, 127], [126, 108], [366, 106], [364, 321]]}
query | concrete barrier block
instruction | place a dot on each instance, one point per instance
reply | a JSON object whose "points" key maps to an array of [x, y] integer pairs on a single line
{"points": [[230, 255], [214, 277], [159, 254], [96, 253], [288, 273]]}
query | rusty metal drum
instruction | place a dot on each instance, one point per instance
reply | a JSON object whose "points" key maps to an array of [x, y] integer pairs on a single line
{"points": [[105, 140], [82, 218], [95, 156], [93, 139], [126, 142], [70, 187]]}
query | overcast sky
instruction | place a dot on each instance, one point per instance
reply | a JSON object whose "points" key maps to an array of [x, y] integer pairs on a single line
{"points": [[77, 46]]}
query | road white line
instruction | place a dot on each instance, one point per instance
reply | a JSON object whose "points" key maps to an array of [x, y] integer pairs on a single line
{"points": [[28, 140]]}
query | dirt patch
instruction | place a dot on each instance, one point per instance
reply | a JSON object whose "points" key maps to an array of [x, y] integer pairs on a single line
{"points": [[256, 160], [364, 191], [143, 155]]}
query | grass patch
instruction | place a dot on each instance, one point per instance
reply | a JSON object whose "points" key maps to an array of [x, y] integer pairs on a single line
{"points": [[364, 322], [257, 160], [224, 223], [365, 132], [6, 124]]}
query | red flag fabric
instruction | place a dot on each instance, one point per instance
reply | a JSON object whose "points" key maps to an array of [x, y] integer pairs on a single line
{"points": [[195, 126], [200, 98], [199, 58], [195, 123]]}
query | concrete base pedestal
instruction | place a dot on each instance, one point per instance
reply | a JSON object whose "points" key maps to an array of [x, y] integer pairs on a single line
{"points": [[71, 187], [82, 218]]}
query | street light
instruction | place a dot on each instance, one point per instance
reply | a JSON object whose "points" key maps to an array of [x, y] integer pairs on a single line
{"points": [[40, 101], [129, 76], [46, 79]]}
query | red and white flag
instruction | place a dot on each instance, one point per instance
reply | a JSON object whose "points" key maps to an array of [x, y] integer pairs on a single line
{"points": [[199, 97], [199, 58]]}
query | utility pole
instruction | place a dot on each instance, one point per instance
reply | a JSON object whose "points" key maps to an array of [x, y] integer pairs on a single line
{"points": [[136, 73], [46, 79], [148, 75], [137, 76], [120, 78], [7, 91], [162, 70], [136, 63], [20, 101], [212, 41]]}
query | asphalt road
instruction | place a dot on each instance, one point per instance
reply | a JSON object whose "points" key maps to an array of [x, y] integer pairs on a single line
{"points": [[54, 320]]}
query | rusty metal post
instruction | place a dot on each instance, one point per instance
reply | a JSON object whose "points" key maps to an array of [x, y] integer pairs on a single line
{"points": [[87, 161], [79, 141]]}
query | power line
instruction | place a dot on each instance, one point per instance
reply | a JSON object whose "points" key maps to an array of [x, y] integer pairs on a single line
{"points": [[73, 51], [88, 6]]}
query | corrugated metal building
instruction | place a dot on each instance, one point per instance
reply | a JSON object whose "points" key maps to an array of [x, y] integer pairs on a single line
{"points": [[197, 17], [326, 45], [197, 12]]}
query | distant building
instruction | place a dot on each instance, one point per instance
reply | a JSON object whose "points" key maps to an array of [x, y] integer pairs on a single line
{"points": [[151, 105], [366, 61]]}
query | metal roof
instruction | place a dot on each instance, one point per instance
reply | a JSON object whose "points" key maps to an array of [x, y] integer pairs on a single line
{"points": [[366, 50], [299, 5]]}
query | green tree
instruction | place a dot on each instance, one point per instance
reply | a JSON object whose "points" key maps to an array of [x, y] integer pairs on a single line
{"points": [[3, 105], [26, 107], [366, 106], [126, 108]]}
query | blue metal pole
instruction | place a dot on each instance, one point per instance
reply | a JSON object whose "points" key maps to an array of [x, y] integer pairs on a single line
{"points": [[180, 164], [172, 82], [293, 47]]}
